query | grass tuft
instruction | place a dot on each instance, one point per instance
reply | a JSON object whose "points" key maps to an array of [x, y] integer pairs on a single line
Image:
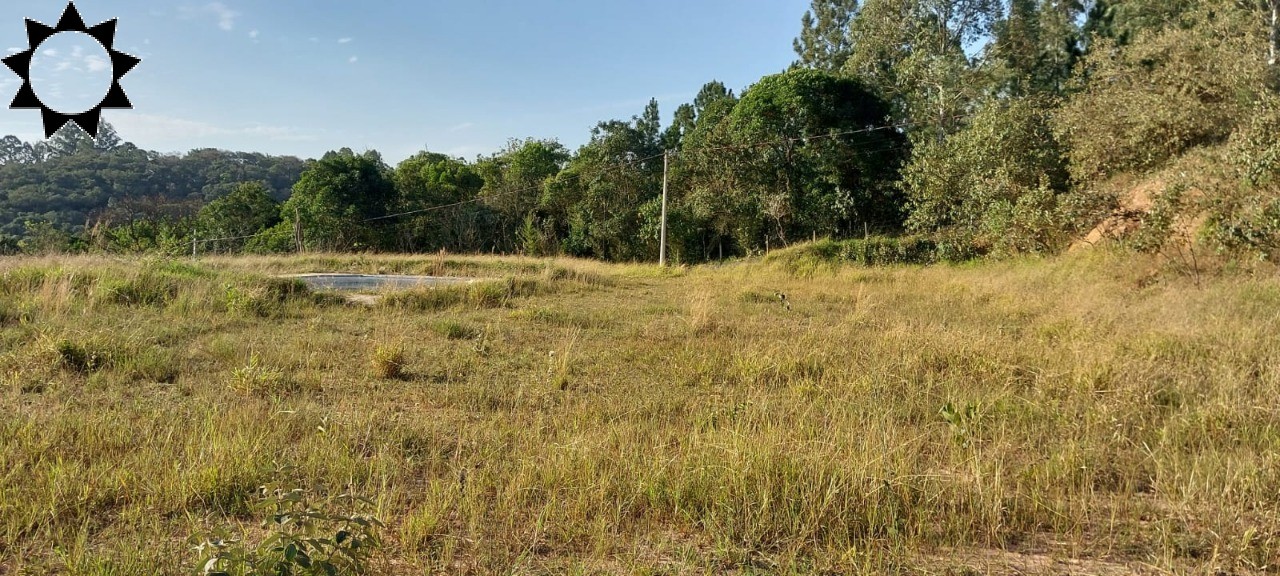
{"points": [[388, 361]]}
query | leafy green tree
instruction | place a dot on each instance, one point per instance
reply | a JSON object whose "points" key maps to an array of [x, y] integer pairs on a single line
{"points": [[1122, 20], [336, 199], [513, 184], [913, 54], [246, 211], [616, 173], [1036, 47], [825, 42], [71, 140], [710, 103], [797, 158], [14, 151], [684, 122], [109, 186], [438, 184], [43, 237]]}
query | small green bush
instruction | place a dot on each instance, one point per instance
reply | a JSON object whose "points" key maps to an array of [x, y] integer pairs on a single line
{"points": [[305, 535], [23, 280], [267, 297], [151, 365], [876, 251], [1245, 219], [884, 251]]}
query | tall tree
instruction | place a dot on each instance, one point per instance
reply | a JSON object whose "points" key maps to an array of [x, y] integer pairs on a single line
{"points": [[914, 53], [513, 183], [794, 158], [335, 199], [14, 151], [1036, 46], [684, 121], [1121, 20], [439, 183], [617, 174], [825, 42], [247, 210]]}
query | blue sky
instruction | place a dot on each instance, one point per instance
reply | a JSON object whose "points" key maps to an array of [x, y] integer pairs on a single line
{"points": [[454, 76]]}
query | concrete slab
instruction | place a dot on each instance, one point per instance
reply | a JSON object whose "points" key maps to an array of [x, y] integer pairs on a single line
{"points": [[371, 282]]}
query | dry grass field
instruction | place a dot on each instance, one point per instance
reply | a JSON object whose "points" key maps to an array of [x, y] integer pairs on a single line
{"points": [[1065, 416]]}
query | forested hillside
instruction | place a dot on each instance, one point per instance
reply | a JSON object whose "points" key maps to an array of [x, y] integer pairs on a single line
{"points": [[72, 183], [958, 126]]}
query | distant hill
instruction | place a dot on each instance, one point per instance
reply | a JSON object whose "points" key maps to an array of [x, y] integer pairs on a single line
{"points": [[72, 180]]}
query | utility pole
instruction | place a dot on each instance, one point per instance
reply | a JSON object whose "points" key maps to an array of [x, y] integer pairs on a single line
{"points": [[662, 246], [194, 242]]}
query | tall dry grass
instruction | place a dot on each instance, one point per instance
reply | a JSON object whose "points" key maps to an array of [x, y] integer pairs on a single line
{"points": [[624, 420]]}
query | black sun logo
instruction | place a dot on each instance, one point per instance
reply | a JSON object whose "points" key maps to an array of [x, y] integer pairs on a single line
{"points": [[121, 64]]}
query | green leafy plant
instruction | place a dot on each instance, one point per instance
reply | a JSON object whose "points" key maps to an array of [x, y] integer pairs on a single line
{"points": [[306, 535], [961, 421]]}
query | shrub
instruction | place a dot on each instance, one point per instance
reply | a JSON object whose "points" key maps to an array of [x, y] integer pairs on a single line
{"points": [[266, 297], [1167, 91], [151, 365], [1245, 218], [480, 295], [148, 288], [994, 184], [884, 251]]}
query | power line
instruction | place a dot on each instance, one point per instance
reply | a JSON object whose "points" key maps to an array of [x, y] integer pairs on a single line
{"points": [[230, 239]]}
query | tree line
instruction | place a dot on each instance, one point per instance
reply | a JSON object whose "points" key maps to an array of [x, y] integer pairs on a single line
{"points": [[988, 126]]}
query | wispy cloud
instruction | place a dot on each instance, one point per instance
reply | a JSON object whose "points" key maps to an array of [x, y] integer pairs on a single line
{"points": [[462, 126], [253, 34], [223, 14], [226, 16], [55, 63], [97, 63], [353, 59], [345, 40]]}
